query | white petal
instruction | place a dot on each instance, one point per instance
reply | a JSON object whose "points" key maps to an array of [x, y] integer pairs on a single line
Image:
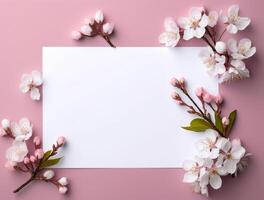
{"points": [[224, 77], [24, 88], [238, 152], [214, 153], [169, 39], [223, 144], [24, 123], [250, 52], [15, 129], [212, 18], [86, 30], [190, 177], [188, 164], [99, 16], [232, 45], [233, 10], [204, 178], [37, 79], [232, 29], [204, 21], [199, 32], [230, 166], [244, 43], [170, 25], [242, 23], [238, 64], [184, 22], [35, 94], [188, 34], [195, 13], [215, 181]]}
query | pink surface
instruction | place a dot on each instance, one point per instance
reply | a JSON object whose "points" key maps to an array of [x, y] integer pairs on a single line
{"points": [[26, 26]]}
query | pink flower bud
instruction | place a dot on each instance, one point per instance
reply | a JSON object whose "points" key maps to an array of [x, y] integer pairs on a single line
{"points": [[86, 30], [175, 95], [39, 153], [10, 165], [199, 91], [225, 121], [3, 132], [5, 124], [76, 35], [179, 102], [218, 99], [61, 141], [207, 97], [63, 190], [36, 140], [181, 80], [26, 160], [63, 181], [173, 82], [32, 158]]}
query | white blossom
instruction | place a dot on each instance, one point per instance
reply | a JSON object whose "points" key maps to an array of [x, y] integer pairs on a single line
{"points": [[206, 146], [30, 83], [171, 36], [63, 190], [234, 22], [99, 16], [108, 28], [236, 71], [242, 49], [214, 62], [194, 25], [17, 151], [22, 130], [193, 170]]}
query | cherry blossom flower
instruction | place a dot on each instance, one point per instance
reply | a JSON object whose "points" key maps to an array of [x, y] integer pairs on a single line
{"points": [[242, 50], [31, 83], [214, 62], [236, 71], [194, 25], [171, 36], [17, 152], [22, 130], [207, 146], [234, 22]]}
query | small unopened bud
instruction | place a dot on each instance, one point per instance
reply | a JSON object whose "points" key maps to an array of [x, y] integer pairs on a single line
{"points": [[49, 174], [174, 82], [76, 35], [199, 91], [32, 158], [99, 16], [63, 181], [63, 190], [108, 28], [26, 160], [36, 141], [175, 96], [225, 121], [220, 47], [61, 141], [39, 153], [207, 97], [5, 124], [86, 30], [218, 99]]}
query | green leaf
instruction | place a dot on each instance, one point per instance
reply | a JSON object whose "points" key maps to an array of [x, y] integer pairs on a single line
{"points": [[50, 162], [232, 119], [198, 125], [218, 123], [46, 155]]}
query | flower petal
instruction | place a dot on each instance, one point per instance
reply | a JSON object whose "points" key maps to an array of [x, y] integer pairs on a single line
{"points": [[170, 25], [184, 22], [232, 45], [188, 164], [195, 13], [190, 177], [34, 93], [231, 28], [204, 21], [188, 34], [242, 23], [230, 166], [37, 79], [212, 18], [215, 181], [233, 11], [199, 32]]}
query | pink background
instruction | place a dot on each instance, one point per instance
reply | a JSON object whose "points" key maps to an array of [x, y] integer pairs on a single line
{"points": [[28, 25]]}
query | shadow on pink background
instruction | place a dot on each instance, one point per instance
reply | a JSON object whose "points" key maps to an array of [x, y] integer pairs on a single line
{"points": [[27, 26]]}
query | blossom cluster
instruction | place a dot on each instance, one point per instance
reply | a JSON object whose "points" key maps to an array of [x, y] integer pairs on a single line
{"points": [[31, 83], [225, 60], [94, 27], [218, 156], [20, 158]]}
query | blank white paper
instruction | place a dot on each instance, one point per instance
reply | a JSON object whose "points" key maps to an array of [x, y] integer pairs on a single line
{"points": [[114, 105]]}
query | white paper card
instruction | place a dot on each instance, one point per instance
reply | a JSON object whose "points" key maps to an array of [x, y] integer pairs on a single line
{"points": [[114, 105]]}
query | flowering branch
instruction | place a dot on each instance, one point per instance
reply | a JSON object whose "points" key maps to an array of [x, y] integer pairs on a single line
{"points": [[95, 27], [218, 156], [20, 159], [223, 60]]}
